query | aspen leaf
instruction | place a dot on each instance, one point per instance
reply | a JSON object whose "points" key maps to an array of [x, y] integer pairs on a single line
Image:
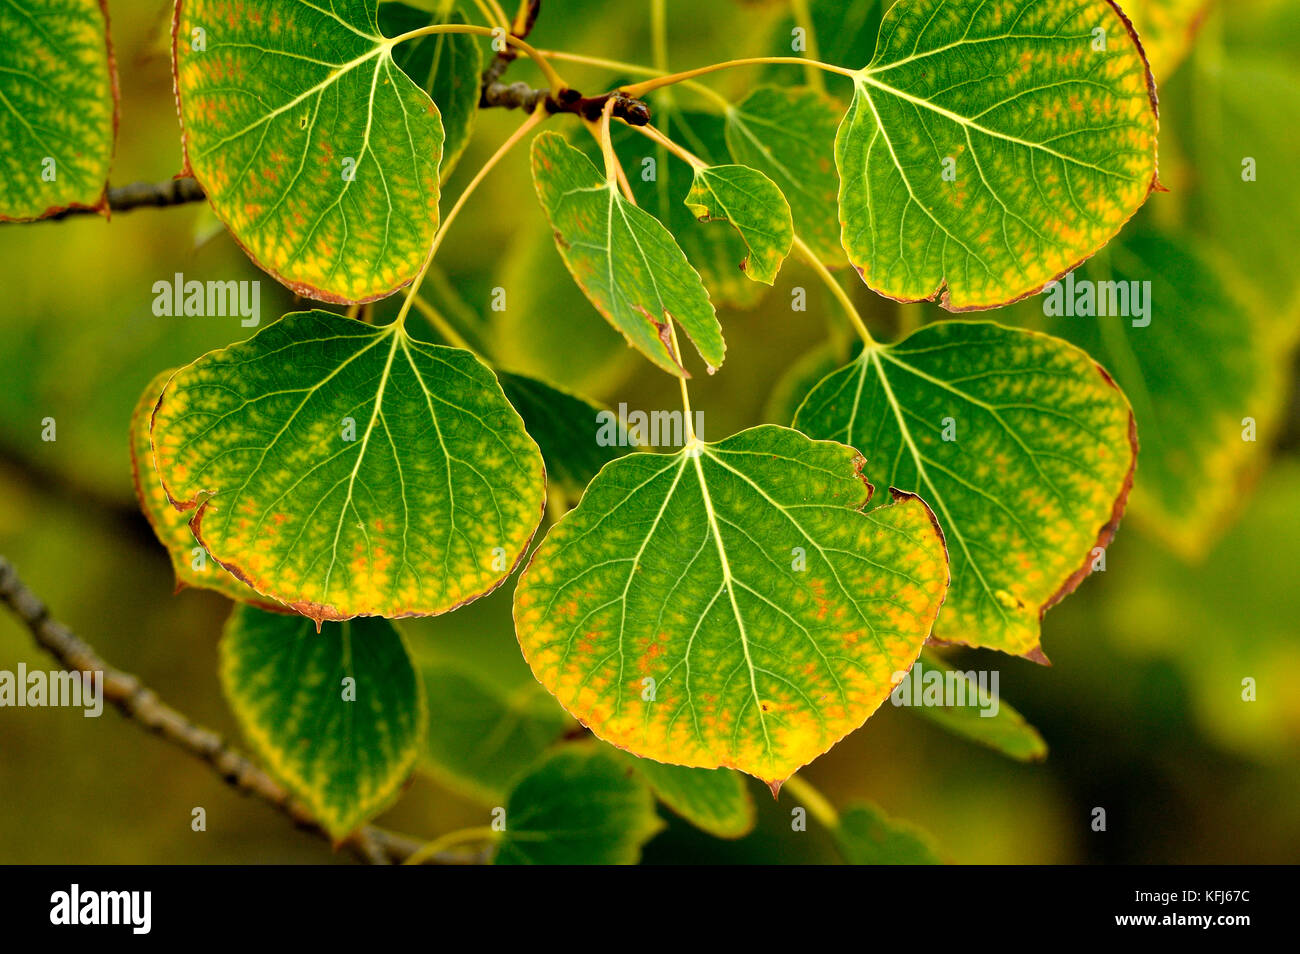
{"points": [[1005, 731], [753, 204], [1048, 142], [171, 525], [677, 569], [447, 66], [1203, 350], [1036, 474], [350, 470], [867, 836], [628, 264], [481, 735], [58, 86], [317, 152], [335, 715], [789, 134]]}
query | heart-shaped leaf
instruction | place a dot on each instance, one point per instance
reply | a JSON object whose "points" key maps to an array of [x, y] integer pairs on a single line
{"points": [[992, 146], [190, 562], [731, 604], [789, 134], [336, 715], [625, 261], [58, 87], [752, 203], [1021, 443], [447, 66], [580, 806], [348, 470], [713, 800], [314, 148]]}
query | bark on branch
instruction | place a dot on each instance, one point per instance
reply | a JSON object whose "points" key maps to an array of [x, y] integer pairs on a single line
{"points": [[141, 705], [141, 195]]}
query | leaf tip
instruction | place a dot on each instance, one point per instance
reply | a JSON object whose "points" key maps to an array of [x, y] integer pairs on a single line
{"points": [[1037, 655]]}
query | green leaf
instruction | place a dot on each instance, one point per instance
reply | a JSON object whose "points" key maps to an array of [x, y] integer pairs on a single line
{"points": [[350, 470], [582, 805], [1005, 731], [335, 715], [480, 735], [626, 262], [189, 560], [58, 85], [713, 800], [447, 66], [1021, 443], [314, 148], [789, 134], [867, 836], [714, 250], [1201, 361], [731, 605], [565, 427], [978, 163], [752, 203]]}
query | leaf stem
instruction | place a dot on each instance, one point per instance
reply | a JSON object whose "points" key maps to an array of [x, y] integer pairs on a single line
{"points": [[558, 84], [524, 128], [818, 805], [444, 327], [523, 24], [613, 169], [452, 839], [639, 90], [681, 152], [846, 302], [634, 69], [681, 380]]}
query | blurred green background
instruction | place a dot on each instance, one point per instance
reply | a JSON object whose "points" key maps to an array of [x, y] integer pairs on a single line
{"points": [[1142, 708]]}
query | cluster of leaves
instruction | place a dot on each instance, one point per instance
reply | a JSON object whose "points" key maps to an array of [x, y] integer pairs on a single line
{"points": [[737, 604]]}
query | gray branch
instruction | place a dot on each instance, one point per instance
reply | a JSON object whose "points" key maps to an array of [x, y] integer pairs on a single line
{"points": [[141, 705]]}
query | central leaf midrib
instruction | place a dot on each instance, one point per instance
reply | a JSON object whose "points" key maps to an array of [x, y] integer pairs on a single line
{"points": [[731, 594], [968, 123]]}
